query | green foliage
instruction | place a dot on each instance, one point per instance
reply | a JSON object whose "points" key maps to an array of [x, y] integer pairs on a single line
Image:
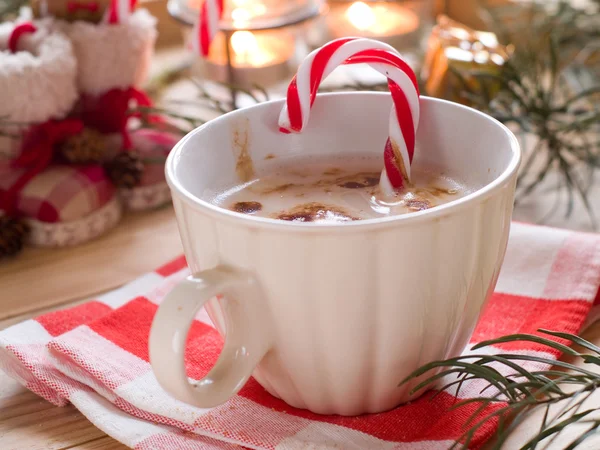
{"points": [[204, 103], [561, 389], [550, 90]]}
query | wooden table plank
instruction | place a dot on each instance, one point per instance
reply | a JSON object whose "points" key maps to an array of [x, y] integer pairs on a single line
{"points": [[16, 400], [52, 429], [104, 443], [40, 278], [29, 422]]}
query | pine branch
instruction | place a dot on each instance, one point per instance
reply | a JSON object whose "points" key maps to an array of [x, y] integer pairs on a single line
{"points": [[535, 95], [520, 391], [204, 100]]}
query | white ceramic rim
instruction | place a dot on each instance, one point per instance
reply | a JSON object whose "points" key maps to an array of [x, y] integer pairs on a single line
{"points": [[488, 190]]}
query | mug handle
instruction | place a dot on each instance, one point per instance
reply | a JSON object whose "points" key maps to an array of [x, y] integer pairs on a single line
{"points": [[247, 339]]}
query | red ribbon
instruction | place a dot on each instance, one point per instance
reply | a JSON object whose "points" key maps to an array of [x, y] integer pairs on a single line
{"points": [[107, 113], [75, 6], [17, 32], [110, 112], [36, 154]]}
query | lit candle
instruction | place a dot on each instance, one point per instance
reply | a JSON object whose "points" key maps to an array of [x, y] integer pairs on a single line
{"points": [[258, 43], [256, 58], [253, 49], [386, 21]]}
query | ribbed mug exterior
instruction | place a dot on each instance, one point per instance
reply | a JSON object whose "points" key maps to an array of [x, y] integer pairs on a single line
{"points": [[353, 313], [350, 310]]}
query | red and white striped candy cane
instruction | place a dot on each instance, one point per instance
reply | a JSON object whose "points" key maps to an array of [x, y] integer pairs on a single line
{"points": [[404, 119], [120, 10], [206, 26]]}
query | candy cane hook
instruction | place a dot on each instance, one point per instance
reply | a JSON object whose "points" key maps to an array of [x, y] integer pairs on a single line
{"points": [[405, 115]]}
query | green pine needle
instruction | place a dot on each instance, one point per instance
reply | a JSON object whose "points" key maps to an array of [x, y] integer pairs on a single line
{"points": [[521, 391], [538, 97]]}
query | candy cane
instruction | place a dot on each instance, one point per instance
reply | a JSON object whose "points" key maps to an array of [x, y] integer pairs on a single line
{"points": [[120, 10], [404, 119], [206, 26]]}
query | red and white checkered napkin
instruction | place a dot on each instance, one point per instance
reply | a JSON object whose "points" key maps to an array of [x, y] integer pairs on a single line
{"points": [[96, 357]]}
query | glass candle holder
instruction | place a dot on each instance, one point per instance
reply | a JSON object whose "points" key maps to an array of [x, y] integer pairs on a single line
{"points": [[259, 43], [257, 57], [250, 14], [404, 24]]}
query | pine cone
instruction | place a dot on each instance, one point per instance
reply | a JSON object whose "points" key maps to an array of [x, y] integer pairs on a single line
{"points": [[125, 170], [12, 235], [87, 147]]}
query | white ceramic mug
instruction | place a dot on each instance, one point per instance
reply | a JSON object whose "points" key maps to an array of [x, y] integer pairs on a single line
{"points": [[331, 317]]}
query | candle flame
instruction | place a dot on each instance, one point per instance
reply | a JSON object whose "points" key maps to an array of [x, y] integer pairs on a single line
{"points": [[361, 16], [244, 43]]}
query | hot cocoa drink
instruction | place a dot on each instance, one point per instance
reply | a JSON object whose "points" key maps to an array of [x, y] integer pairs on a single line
{"points": [[334, 190]]}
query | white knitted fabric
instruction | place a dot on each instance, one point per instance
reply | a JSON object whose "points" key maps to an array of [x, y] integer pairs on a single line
{"points": [[113, 56], [37, 83]]}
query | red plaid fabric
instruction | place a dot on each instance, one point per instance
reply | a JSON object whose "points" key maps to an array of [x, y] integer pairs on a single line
{"points": [[154, 147], [96, 357], [61, 193]]}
